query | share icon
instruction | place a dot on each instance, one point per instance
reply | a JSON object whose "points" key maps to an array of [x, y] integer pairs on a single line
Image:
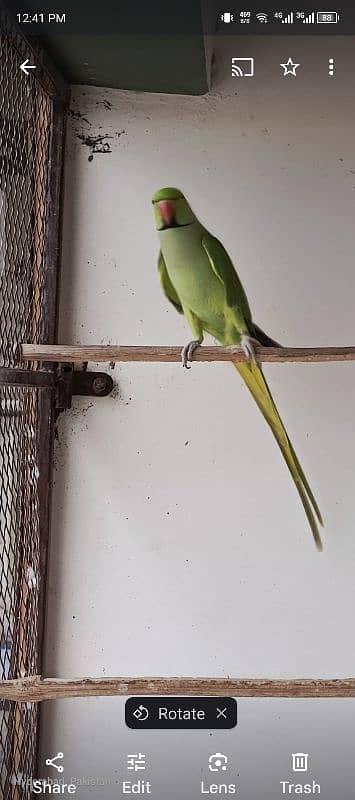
{"points": [[50, 762]]}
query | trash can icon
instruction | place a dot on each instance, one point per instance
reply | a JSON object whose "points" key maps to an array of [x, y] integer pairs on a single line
{"points": [[300, 762]]}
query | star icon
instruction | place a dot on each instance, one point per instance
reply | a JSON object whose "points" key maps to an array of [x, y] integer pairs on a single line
{"points": [[289, 68]]}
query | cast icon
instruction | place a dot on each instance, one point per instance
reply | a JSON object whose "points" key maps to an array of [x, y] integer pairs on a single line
{"points": [[242, 67]]}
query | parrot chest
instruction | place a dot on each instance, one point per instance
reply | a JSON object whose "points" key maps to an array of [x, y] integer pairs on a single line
{"points": [[191, 274]]}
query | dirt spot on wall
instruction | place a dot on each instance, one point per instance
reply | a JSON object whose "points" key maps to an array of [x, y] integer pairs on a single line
{"points": [[98, 141], [105, 103], [78, 115], [98, 144]]}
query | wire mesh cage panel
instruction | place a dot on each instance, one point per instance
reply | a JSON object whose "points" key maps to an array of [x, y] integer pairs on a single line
{"points": [[19, 582], [28, 126], [25, 118]]}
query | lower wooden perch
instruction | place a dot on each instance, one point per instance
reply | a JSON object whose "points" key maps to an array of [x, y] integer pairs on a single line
{"points": [[36, 689], [109, 352]]}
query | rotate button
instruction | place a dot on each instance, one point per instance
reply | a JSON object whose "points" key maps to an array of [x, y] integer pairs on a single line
{"points": [[177, 713]]}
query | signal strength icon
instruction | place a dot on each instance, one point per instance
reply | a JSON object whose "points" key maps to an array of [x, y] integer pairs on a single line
{"points": [[262, 17], [310, 19], [289, 18]]}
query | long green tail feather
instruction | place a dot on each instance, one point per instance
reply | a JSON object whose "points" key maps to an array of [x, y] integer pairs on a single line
{"points": [[264, 387], [256, 383]]}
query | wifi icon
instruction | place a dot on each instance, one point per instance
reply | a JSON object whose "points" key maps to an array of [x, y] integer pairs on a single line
{"points": [[262, 17]]}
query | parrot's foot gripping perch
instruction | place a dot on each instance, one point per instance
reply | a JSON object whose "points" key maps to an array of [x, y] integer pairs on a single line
{"points": [[248, 345], [188, 351]]}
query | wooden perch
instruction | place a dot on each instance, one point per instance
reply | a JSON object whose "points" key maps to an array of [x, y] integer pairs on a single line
{"points": [[36, 689], [108, 352]]}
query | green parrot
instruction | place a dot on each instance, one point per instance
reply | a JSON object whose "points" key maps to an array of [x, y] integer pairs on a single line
{"points": [[199, 279]]}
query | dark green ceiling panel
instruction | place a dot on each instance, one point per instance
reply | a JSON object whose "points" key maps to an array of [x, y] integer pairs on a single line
{"points": [[169, 63]]}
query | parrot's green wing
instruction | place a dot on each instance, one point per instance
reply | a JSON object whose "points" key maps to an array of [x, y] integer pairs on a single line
{"points": [[166, 284], [226, 274]]}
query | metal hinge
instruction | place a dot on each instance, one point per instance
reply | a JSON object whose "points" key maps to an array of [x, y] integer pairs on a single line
{"points": [[71, 382], [65, 382]]}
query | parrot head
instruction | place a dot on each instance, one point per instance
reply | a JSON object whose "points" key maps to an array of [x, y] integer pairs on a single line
{"points": [[171, 209]]}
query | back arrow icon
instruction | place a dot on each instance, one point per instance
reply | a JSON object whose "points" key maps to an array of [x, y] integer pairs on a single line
{"points": [[26, 66]]}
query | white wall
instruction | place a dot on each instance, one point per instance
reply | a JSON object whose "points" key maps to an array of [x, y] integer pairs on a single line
{"points": [[179, 545]]}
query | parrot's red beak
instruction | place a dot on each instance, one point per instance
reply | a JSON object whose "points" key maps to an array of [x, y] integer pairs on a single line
{"points": [[167, 210]]}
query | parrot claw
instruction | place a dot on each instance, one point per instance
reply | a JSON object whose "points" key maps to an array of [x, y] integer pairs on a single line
{"points": [[248, 345], [188, 351]]}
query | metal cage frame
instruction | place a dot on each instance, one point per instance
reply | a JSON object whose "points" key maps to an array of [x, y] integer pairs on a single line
{"points": [[32, 132]]}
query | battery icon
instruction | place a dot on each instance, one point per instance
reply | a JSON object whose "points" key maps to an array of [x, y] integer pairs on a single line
{"points": [[326, 17]]}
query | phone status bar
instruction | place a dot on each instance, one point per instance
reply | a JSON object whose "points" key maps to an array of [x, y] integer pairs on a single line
{"points": [[289, 21], [279, 17], [201, 17]]}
